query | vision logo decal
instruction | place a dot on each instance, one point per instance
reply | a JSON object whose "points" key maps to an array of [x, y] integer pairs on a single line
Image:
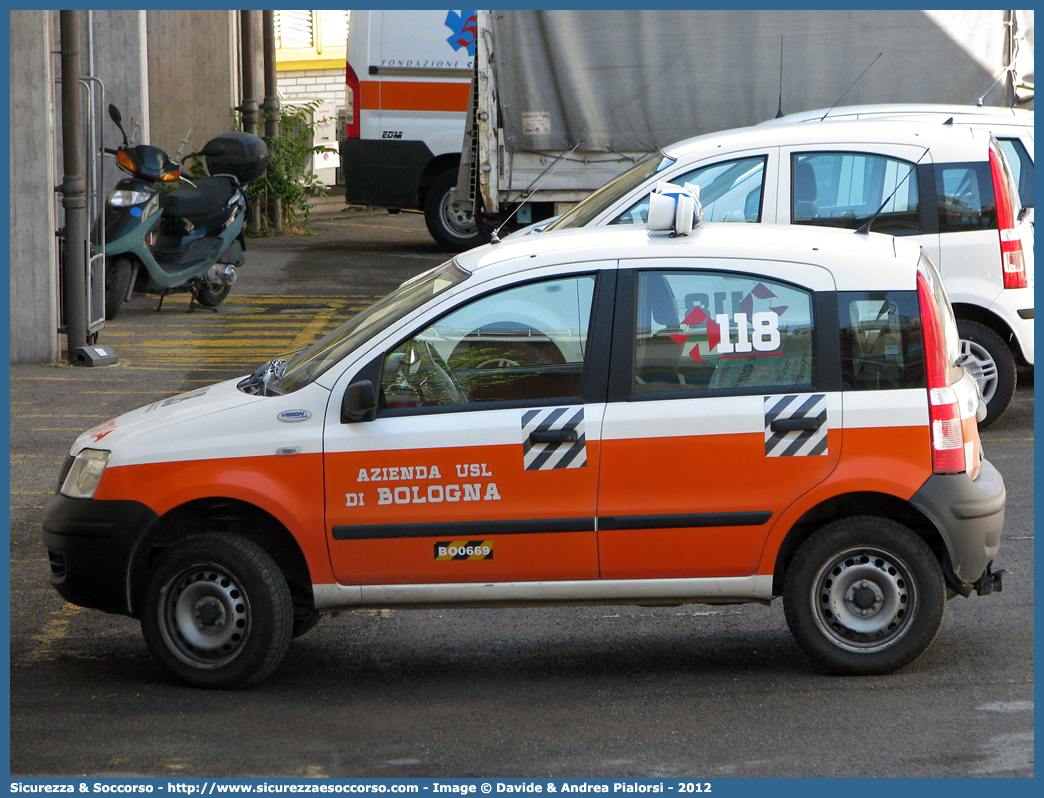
{"points": [[446, 550], [554, 439], [465, 30], [795, 426]]}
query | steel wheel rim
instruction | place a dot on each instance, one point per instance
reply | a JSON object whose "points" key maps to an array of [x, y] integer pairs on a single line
{"points": [[204, 616], [457, 221], [863, 599], [982, 368]]}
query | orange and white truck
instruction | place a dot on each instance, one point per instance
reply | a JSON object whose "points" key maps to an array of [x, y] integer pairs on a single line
{"points": [[408, 76]]}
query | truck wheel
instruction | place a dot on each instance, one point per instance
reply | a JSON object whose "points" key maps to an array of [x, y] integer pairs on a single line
{"points": [[453, 230], [991, 364], [210, 295], [117, 281], [217, 612], [864, 596]]}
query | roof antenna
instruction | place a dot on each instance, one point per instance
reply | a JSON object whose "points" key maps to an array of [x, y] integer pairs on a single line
{"points": [[779, 113], [854, 82], [495, 237], [865, 229]]}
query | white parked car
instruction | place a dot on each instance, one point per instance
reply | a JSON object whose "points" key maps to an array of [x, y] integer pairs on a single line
{"points": [[949, 188]]}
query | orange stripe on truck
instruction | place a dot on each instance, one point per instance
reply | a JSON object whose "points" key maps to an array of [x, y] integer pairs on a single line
{"points": [[404, 95]]}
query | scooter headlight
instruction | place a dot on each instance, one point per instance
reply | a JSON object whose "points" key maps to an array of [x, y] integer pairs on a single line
{"points": [[85, 474], [125, 198]]}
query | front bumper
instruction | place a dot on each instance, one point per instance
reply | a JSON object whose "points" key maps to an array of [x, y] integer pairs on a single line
{"points": [[90, 545], [969, 515]]}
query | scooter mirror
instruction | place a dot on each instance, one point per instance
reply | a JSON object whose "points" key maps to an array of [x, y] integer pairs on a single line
{"points": [[117, 117]]}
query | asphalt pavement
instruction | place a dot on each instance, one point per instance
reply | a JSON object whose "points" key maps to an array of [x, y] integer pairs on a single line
{"points": [[692, 691]]}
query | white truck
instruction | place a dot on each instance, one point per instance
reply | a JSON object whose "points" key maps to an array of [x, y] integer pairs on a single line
{"points": [[564, 101], [408, 80]]}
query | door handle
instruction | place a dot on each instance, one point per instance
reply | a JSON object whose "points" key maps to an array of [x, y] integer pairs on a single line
{"points": [[554, 436], [794, 424]]}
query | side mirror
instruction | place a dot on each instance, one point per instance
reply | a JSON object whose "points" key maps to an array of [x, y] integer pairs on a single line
{"points": [[117, 117], [359, 403]]}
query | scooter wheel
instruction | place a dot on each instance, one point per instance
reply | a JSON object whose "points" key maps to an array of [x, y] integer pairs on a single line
{"points": [[117, 281], [211, 296]]}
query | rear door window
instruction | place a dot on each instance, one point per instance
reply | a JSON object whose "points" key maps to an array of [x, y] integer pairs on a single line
{"points": [[846, 189], [721, 333]]}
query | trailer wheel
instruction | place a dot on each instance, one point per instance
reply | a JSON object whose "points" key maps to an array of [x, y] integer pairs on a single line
{"points": [[864, 596], [117, 281], [217, 612], [991, 364], [453, 229]]}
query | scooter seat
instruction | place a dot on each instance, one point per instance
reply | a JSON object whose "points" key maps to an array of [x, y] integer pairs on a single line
{"points": [[208, 196]]}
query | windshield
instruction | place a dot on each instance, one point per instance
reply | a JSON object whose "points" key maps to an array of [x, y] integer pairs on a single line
{"points": [[584, 212], [324, 353]]}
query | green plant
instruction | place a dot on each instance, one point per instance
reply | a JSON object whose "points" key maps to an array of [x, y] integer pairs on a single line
{"points": [[289, 176]]}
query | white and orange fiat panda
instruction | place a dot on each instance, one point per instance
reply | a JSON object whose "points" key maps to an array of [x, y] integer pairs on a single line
{"points": [[665, 414]]}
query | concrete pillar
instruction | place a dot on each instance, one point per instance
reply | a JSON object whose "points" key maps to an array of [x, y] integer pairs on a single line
{"points": [[34, 255]]}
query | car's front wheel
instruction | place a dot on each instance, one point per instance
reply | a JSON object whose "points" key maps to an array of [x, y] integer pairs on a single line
{"points": [[864, 595], [217, 611]]}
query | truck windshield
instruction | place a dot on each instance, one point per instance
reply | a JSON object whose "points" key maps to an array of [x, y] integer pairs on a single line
{"points": [[323, 354], [584, 212]]}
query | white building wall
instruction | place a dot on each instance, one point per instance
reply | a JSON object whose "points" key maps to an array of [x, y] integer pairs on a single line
{"points": [[327, 87]]}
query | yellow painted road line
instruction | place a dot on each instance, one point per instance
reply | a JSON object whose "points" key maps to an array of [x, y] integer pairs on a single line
{"points": [[53, 633]]}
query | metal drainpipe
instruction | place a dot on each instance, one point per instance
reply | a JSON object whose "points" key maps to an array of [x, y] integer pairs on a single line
{"points": [[271, 107], [73, 188], [249, 108]]}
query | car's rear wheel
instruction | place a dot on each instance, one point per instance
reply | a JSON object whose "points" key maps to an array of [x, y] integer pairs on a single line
{"points": [[217, 611], [991, 364], [864, 595]]}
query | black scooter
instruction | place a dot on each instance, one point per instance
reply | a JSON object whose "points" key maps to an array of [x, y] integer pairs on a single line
{"points": [[165, 233]]}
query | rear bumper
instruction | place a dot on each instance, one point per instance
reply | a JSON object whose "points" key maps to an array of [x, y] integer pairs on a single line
{"points": [[385, 173], [969, 515], [90, 545]]}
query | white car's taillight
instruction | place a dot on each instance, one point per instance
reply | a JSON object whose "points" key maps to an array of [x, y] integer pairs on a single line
{"points": [[1013, 262], [944, 411]]}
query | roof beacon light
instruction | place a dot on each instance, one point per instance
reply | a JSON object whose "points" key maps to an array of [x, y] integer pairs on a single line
{"points": [[674, 210]]}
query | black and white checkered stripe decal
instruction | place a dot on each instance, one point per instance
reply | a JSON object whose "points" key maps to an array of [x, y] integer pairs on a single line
{"points": [[797, 443], [549, 456]]}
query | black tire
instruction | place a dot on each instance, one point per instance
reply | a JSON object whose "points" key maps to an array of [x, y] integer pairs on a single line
{"points": [[864, 596], [217, 612], [117, 281], [210, 295], [453, 230], [991, 364]]}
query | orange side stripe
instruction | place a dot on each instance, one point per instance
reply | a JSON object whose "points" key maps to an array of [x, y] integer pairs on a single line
{"points": [[414, 96]]}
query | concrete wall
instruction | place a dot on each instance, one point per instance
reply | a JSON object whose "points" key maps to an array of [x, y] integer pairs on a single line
{"points": [[193, 75], [34, 262]]}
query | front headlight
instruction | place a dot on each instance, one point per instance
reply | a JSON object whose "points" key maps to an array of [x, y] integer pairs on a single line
{"points": [[85, 474], [125, 198]]}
